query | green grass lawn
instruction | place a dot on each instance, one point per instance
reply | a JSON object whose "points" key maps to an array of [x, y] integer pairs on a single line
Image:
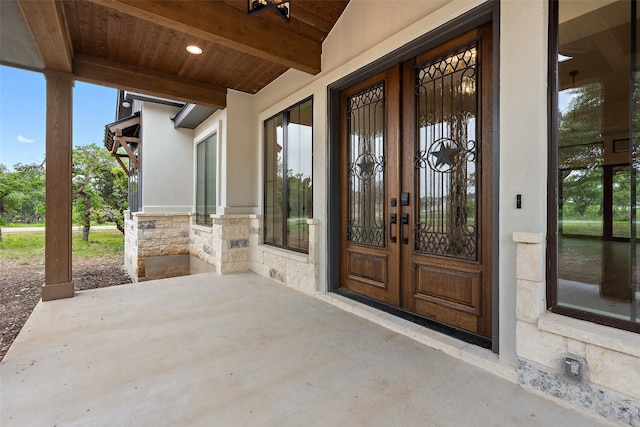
{"points": [[101, 243], [42, 224], [594, 228]]}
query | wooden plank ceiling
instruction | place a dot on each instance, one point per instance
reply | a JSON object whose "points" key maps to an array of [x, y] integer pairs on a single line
{"points": [[140, 45]]}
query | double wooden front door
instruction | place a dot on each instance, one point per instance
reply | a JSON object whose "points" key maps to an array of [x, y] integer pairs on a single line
{"points": [[416, 184]]}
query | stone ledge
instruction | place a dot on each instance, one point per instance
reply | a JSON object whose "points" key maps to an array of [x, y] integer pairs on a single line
{"points": [[295, 256], [528, 237], [591, 333], [159, 214], [230, 216], [203, 228]]}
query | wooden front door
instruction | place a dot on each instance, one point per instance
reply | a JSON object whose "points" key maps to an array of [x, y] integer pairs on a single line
{"points": [[370, 174], [415, 184]]}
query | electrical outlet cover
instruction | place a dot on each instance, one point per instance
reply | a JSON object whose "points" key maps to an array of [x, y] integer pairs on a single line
{"points": [[573, 367]]}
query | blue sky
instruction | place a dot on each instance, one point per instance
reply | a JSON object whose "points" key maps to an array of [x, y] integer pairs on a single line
{"points": [[22, 115]]}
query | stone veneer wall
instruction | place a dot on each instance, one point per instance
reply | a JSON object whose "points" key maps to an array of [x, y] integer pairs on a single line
{"points": [[200, 242], [297, 270], [149, 235], [611, 357], [224, 244], [232, 243]]}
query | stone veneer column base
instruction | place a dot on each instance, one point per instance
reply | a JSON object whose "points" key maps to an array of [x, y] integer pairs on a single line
{"points": [[230, 242], [607, 403], [57, 291]]}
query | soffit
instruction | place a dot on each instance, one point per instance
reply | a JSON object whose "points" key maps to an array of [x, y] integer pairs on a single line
{"points": [[16, 45], [140, 45]]}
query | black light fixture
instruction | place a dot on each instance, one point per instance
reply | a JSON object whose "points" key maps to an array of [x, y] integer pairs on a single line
{"points": [[283, 7]]}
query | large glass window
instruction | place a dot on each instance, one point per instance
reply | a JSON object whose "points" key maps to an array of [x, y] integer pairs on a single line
{"points": [[594, 162], [288, 177], [206, 160]]}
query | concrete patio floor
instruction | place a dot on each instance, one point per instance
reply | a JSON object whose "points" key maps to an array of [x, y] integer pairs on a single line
{"points": [[242, 350]]}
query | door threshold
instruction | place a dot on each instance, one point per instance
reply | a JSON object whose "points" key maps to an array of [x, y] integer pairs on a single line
{"points": [[451, 331]]}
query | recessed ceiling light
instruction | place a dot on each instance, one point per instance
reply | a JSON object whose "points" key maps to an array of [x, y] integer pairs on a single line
{"points": [[194, 49]]}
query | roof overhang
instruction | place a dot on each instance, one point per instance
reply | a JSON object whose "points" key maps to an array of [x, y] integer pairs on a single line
{"points": [[192, 115], [122, 139], [17, 48], [130, 96], [139, 45]]}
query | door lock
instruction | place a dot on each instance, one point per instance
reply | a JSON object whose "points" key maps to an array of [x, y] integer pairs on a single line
{"points": [[404, 221], [392, 222]]}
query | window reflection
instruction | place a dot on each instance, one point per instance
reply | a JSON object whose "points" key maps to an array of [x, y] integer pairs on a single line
{"points": [[288, 180], [597, 266]]}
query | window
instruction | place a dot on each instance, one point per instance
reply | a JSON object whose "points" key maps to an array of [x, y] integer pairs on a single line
{"points": [[288, 177], [594, 132], [135, 195], [206, 160]]}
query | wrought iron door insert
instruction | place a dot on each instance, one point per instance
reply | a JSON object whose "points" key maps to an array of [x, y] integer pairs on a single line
{"points": [[446, 156], [365, 167]]}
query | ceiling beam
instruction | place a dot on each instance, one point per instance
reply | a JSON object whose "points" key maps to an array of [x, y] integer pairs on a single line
{"points": [[100, 71], [220, 23], [47, 23]]}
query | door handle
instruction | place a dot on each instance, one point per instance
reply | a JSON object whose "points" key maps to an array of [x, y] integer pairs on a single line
{"points": [[404, 221], [392, 222]]}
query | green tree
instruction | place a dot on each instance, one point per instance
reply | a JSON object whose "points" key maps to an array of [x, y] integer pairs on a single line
{"points": [[4, 191], [300, 194], [113, 188], [22, 193], [99, 188], [581, 153], [31, 192], [581, 188], [583, 117]]}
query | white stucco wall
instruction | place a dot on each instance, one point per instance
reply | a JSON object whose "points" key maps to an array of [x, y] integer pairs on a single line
{"points": [[523, 142], [238, 178], [216, 123], [242, 192], [166, 161]]}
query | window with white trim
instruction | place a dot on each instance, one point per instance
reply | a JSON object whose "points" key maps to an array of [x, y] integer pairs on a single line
{"points": [[288, 178], [206, 161]]}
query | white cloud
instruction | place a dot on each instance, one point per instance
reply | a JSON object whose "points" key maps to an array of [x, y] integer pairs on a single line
{"points": [[24, 140]]}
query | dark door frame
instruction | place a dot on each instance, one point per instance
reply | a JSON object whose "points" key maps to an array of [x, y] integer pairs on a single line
{"points": [[488, 12]]}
